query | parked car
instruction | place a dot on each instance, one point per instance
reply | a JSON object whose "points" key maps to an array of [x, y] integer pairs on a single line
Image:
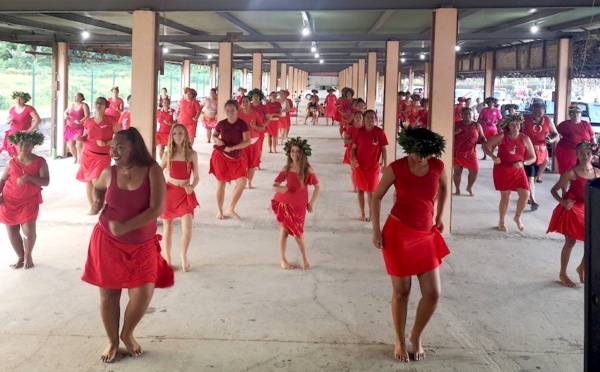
{"points": [[322, 91]]}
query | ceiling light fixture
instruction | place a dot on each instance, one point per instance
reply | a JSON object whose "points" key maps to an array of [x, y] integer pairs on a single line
{"points": [[321, 61], [85, 34], [305, 31], [209, 56], [422, 56], [402, 60], [534, 29], [165, 50], [313, 48], [457, 48], [316, 55]]}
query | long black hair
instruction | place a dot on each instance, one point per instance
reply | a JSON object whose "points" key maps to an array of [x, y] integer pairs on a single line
{"points": [[140, 155]]}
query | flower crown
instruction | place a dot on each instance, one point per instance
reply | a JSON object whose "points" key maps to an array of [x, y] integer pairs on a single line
{"points": [[421, 141], [37, 138], [298, 141], [26, 96], [574, 109], [511, 118], [258, 92]]}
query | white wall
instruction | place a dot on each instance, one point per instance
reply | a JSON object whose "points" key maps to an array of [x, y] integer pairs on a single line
{"points": [[322, 80]]}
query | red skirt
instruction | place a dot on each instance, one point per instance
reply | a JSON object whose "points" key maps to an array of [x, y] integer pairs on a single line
{"points": [[72, 133], [252, 154], [272, 128], [347, 151], [569, 222], [112, 264], [509, 178], [178, 203], [566, 158], [261, 140], [227, 169], [470, 162], [366, 180], [291, 218], [191, 129], [409, 252], [489, 130], [91, 165], [285, 123], [162, 139], [19, 209]]}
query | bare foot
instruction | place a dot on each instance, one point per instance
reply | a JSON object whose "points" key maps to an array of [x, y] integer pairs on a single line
{"points": [[355, 190], [418, 351], [28, 263], [110, 353], [231, 213], [470, 192], [286, 265], [18, 264], [457, 192], [566, 281], [401, 353], [220, 216], [305, 264], [520, 225], [502, 227], [249, 186], [185, 265], [581, 271], [133, 348]]}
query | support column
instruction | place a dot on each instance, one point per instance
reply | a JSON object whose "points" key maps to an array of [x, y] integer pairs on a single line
{"points": [[355, 79], [564, 67], [390, 104], [377, 86], [426, 79], [488, 84], [273, 76], [349, 77], [213, 75], [60, 95], [411, 79], [186, 73], [283, 76], [244, 80], [400, 86], [297, 90], [225, 77], [290, 79], [441, 94], [145, 56], [361, 78], [257, 70], [372, 80]]}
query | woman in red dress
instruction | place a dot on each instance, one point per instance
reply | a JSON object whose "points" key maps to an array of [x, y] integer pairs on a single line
{"points": [[124, 250], [75, 116], [489, 118], [256, 96], [181, 161], [284, 120], [115, 105], [410, 241], [514, 152], [330, 106], [21, 195], [345, 109], [164, 116], [95, 157], [188, 112], [422, 118], [208, 117], [273, 113], [256, 127], [572, 132], [357, 123], [368, 149], [568, 217], [21, 117], [290, 201], [125, 119], [227, 162], [467, 134]]}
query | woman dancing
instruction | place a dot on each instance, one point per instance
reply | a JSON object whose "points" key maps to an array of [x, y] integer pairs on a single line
{"points": [[209, 113], [489, 118], [75, 116], [188, 112], [21, 117], [467, 134]]}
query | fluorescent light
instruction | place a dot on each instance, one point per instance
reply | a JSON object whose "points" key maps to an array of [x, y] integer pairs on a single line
{"points": [[313, 48], [209, 56], [422, 56], [534, 28], [316, 55], [321, 61], [85, 34], [305, 31], [165, 50], [402, 60], [457, 48]]}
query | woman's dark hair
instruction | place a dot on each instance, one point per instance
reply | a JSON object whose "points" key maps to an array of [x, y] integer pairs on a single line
{"points": [[232, 102], [80, 95], [214, 90], [139, 152], [103, 100], [129, 97]]}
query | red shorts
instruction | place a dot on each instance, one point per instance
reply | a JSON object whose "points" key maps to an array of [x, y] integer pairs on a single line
{"points": [[227, 169]]}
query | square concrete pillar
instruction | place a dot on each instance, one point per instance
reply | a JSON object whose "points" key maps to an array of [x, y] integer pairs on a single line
{"points": [[273, 76], [290, 81], [213, 75], [427, 78], [361, 79], [378, 86], [349, 77], [372, 79], [441, 94], [355, 80], [257, 70], [411, 79], [244, 81], [390, 104], [564, 70], [489, 76], [186, 70], [340, 80], [297, 90], [283, 76], [60, 95], [145, 57], [225, 77]]}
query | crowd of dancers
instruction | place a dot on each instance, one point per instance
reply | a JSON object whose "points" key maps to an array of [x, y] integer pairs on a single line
{"points": [[125, 252]]}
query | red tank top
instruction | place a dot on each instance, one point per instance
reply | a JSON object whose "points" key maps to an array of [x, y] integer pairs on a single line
{"points": [[576, 190], [465, 141], [511, 151], [537, 133], [122, 205], [180, 170], [75, 115], [22, 121]]}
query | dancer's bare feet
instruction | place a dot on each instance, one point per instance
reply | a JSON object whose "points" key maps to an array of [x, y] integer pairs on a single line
{"points": [[220, 216], [110, 353], [18, 264], [185, 265], [418, 351], [133, 348], [457, 193], [401, 353], [502, 227], [231, 213], [305, 264], [249, 186], [581, 271], [566, 281], [286, 265], [520, 225], [28, 263], [470, 191]]}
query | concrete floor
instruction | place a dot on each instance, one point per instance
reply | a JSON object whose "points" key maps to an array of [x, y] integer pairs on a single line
{"points": [[502, 308]]}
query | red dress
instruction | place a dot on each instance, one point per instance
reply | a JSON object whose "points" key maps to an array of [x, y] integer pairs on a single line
{"points": [[350, 132], [331, 105], [423, 117], [72, 129], [465, 154], [21, 203], [188, 110], [252, 152], [231, 165], [571, 222], [506, 176], [125, 120], [290, 207], [272, 128], [94, 159], [20, 122], [260, 109], [162, 135], [537, 134], [571, 135], [132, 259], [368, 152], [488, 118], [179, 202], [412, 245], [346, 113], [113, 107]]}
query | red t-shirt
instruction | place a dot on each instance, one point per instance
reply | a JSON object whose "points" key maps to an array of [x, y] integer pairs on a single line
{"points": [[125, 120], [101, 131], [232, 134], [368, 146], [187, 112], [537, 133], [273, 108], [260, 108], [512, 150], [572, 134], [248, 118], [161, 117]]}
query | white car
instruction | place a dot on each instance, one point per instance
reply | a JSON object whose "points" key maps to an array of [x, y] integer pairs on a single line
{"points": [[322, 92]]}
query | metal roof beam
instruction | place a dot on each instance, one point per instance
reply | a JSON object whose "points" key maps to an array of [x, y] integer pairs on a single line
{"points": [[534, 17], [383, 17], [241, 25], [90, 21], [580, 23]]}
